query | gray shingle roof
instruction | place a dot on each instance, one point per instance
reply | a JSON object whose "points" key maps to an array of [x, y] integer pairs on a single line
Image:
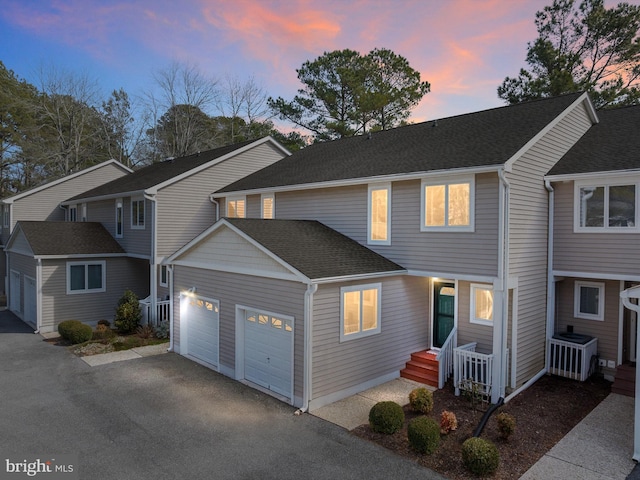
{"points": [[613, 144], [314, 249], [158, 173], [478, 139], [69, 238]]}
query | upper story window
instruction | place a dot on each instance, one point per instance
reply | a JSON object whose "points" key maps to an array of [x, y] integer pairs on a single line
{"points": [[119, 218], [268, 204], [481, 304], [610, 206], [360, 311], [379, 214], [73, 213], [137, 213], [164, 276], [236, 207], [589, 300], [5, 216], [447, 204], [85, 277]]}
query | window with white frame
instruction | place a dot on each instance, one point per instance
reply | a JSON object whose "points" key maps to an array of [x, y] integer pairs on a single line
{"points": [[379, 214], [119, 218], [268, 204], [83, 212], [73, 213], [86, 277], [589, 300], [610, 206], [447, 204], [360, 311], [137, 213], [5, 216], [164, 279], [236, 207], [481, 311]]}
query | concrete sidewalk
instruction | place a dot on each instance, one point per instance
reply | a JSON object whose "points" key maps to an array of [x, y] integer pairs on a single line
{"points": [[139, 352]]}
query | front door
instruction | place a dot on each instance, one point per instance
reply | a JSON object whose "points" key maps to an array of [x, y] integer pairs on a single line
{"points": [[444, 301]]}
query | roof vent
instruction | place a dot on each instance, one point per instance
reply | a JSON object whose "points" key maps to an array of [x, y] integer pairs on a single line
{"points": [[435, 123], [169, 159]]}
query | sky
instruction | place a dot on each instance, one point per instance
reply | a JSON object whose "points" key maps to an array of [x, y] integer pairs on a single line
{"points": [[463, 48]]}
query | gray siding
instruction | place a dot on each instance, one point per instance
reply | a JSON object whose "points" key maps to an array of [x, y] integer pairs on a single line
{"points": [[345, 210], [278, 296], [405, 326], [528, 231], [185, 210], [602, 253], [57, 305]]}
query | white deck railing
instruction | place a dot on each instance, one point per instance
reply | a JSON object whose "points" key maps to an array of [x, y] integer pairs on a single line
{"points": [[163, 308], [445, 359], [473, 370], [571, 360]]}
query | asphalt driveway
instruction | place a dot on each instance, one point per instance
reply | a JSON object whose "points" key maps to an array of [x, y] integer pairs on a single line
{"points": [[165, 417]]}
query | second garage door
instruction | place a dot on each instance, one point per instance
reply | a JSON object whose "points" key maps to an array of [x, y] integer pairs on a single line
{"points": [[202, 320], [268, 351]]}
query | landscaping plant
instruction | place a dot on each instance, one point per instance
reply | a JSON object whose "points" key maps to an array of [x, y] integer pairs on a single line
{"points": [[128, 313], [480, 456], [421, 400], [386, 417], [75, 331], [506, 424], [448, 422], [424, 434]]}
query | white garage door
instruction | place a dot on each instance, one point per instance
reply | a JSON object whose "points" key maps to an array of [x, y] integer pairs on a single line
{"points": [[30, 300], [202, 321], [14, 291], [268, 351]]}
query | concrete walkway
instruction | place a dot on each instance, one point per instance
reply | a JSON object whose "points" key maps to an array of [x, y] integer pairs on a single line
{"points": [[139, 352]]}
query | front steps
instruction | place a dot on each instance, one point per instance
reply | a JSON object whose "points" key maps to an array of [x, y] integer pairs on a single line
{"points": [[422, 368], [625, 381]]}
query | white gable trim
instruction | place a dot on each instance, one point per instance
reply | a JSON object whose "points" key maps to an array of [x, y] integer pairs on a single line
{"points": [[64, 179], [582, 99], [239, 270]]}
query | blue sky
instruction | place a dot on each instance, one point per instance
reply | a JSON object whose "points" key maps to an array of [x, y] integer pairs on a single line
{"points": [[464, 48]]}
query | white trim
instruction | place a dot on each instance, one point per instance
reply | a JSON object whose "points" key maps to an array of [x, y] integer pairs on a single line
{"points": [[596, 275], [241, 270], [621, 329], [577, 292], [138, 200], [345, 337], [268, 196], [432, 319], [237, 199], [377, 187], [84, 255], [460, 277], [472, 304], [569, 177], [612, 181], [103, 287], [446, 182]]}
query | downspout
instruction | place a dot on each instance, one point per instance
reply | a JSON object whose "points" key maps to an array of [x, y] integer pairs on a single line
{"points": [[170, 281], [312, 288], [551, 290], [153, 287], [626, 301], [38, 296], [217, 205]]}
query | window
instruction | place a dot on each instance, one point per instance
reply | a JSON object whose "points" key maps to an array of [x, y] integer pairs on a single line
{"points": [[447, 205], [379, 213], [86, 277], [137, 213], [73, 213], [268, 206], [83, 210], [235, 207], [5, 216], [589, 300], [360, 311], [608, 207], [164, 282], [119, 219], [481, 304]]}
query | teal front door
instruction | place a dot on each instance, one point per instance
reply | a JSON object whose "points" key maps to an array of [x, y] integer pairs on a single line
{"points": [[444, 302]]}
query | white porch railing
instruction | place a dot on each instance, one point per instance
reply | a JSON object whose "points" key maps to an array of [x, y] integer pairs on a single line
{"points": [[473, 370], [445, 359], [571, 360], [163, 308]]}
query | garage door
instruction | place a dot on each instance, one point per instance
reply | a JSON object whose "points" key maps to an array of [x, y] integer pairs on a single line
{"points": [[268, 351], [202, 320], [30, 300], [14, 291]]}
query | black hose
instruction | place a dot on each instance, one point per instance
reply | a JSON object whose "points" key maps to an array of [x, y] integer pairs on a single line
{"points": [[487, 414]]}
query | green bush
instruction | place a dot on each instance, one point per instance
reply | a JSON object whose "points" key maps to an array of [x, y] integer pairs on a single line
{"points": [[162, 330], [424, 434], [421, 400], [386, 417], [506, 424], [75, 331], [480, 457], [128, 313]]}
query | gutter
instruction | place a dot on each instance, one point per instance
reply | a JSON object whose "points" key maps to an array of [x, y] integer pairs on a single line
{"points": [[217, 205], [153, 287], [551, 291], [312, 288]]}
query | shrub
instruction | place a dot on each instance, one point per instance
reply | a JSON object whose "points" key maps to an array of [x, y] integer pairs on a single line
{"points": [[448, 422], [162, 330], [421, 400], [75, 331], [128, 313], [386, 417], [103, 332], [144, 331], [506, 424], [105, 323], [480, 456], [424, 434]]}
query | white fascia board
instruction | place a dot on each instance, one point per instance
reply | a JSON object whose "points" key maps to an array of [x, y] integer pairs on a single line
{"points": [[453, 276], [363, 276], [64, 179], [240, 270], [80, 255], [110, 196], [153, 190], [584, 98], [398, 177], [596, 175], [596, 275]]}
